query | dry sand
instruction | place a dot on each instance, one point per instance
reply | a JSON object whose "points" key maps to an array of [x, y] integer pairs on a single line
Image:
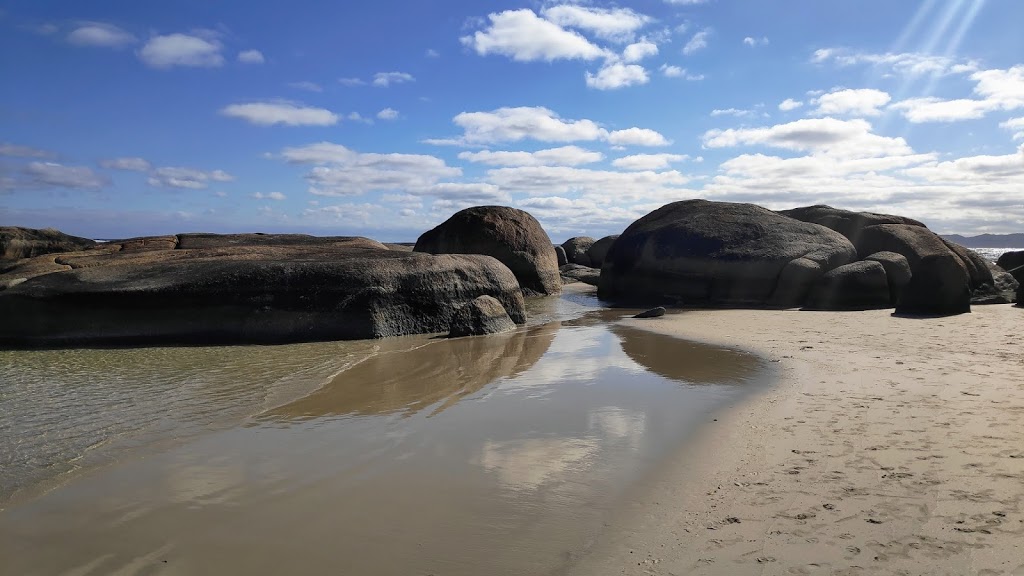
{"points": [[890, 446]]}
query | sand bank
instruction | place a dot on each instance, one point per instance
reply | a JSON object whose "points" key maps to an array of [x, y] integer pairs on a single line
{"points": [[890, 446]]}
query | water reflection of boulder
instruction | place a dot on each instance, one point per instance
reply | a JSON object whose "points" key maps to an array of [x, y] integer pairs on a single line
{"points": [[691, 362], [407, 381]]}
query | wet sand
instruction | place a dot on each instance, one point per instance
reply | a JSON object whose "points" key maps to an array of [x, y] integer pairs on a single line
{"points": [[504, 454], [890, 446]]}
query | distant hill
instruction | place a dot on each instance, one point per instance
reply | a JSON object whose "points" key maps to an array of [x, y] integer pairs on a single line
{"points": [[988, 240]]}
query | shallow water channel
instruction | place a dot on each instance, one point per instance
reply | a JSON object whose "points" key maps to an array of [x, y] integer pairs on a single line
{"points": [[502, 454]]}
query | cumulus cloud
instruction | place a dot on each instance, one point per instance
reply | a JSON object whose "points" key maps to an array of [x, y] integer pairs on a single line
{"points": [[188, 178], [132, 164], [388, 114], [789, 104], [648, 161], [351, 81], [617, 75], [600, 184], [54, 175], [845, 138], [100, 34], [995, 90], [1014, 125], [639, 50], [284, 113], [904, 63], [677, 72], [859, 102], [613, 24], [524, 37], [697, 42], [563, 156], [269, 196], [251, 57], [182, 50], [637, 137], [385, 79], [737, 112], [340, 171]]}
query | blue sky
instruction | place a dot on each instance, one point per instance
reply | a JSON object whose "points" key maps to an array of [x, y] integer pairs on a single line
{"points": [[383, 118]]}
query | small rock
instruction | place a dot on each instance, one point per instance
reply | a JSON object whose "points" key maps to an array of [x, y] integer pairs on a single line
{"points": [[652, 313], [484, 315]]}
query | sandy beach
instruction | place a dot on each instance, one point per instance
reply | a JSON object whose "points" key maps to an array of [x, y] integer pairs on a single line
{"points": [[889, 446]]}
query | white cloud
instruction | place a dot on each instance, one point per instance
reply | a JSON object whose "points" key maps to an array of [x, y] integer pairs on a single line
{"points": [[431, 53], [598, 184], [841, 138], [340, 171], [1007, 171], [564, 156], [677, 72], [904, 63], [189, 178], [269, 196], [7, 149], [860, 102], [54, 175], [351, 81], [385, 79], [751, 41], [919, 110], [698, 42], [357, 117], [732, 112], [640, 50], [617, 75], [182, 50], [307, 86], [613, 24], [1014, 124], [388, 114], [997, 89], [524, 37], [133, 164], [251, 57], [648, 161], [637, 137], [285, 113], [789, 104], [100, 34]]}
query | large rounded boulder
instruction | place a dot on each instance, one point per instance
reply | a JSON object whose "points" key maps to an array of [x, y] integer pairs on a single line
{"points": [[940, 282], [599, 250], [254, 289], [718, 253], [858, 286], [1013, 262], [848, 223], [512, 236], [576, 250]]}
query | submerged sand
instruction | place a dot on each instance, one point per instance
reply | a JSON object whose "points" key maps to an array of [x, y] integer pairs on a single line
{"points": [[890, 446]]}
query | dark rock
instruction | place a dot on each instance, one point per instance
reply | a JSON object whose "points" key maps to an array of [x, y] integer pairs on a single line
{"points": [[599, 250], [576, 273], [484, 315], [1013, 262], [940, 282], [897, 271], [717, 253], [652, 313], [560, 256], [400, 246], [512, 236], [229, 292], [1003, 289], [858, 286], [576, 250], [977, 267], [17, 243], [848, 223]]}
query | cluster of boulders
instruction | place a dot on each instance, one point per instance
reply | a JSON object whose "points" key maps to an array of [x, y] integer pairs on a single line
{"points": [[469, 275]]}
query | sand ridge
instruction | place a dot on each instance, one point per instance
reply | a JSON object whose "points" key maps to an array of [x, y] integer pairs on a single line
{"points": [[889, 446]]}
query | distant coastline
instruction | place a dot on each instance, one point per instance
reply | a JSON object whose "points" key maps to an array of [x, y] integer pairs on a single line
{"points": [[988, 240]]}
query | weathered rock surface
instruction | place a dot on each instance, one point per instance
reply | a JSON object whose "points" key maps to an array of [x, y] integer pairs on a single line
{"points": [[1013, 262], [656, 312], [484, 315], [17, 243], [512, 236], [977, 267], [858, 286], [716, 253], [226, 290], [848, 223], [560, 256], [897, 271], [576, 250], [599, 250], [940, 283], [1003, 289], [576, 273]]}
